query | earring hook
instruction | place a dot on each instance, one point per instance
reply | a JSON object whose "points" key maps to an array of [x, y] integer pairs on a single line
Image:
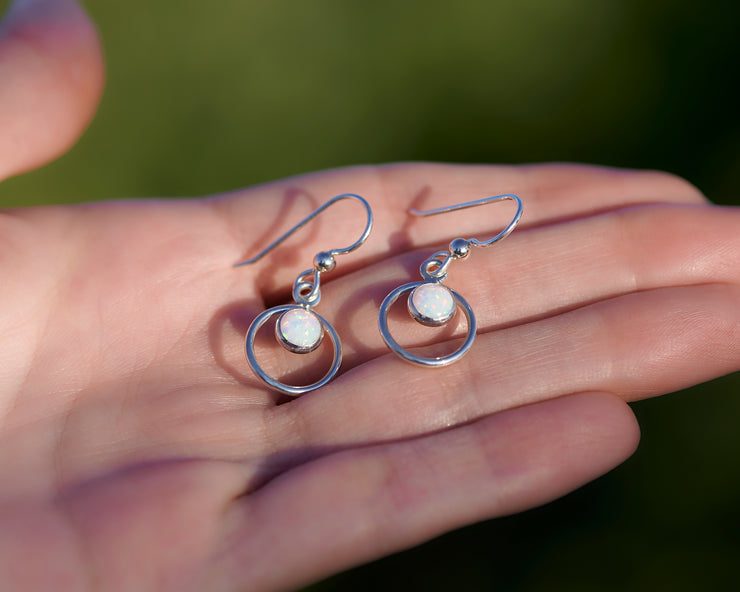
{"points": [[311, 216], [479, 202]]}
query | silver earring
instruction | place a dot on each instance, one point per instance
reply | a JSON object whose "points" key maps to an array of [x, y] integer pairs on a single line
{"points": [[298, 328], [432, 303]]}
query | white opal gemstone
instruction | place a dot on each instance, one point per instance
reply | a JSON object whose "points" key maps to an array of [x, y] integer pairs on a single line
{"points": [[432, 304], [299, 330]]}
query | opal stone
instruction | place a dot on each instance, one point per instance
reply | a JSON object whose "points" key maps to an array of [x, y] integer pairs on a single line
{"points": [[432, 304], [299, 330]]}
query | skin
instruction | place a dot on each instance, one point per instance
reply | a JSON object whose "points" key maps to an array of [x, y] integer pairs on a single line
{"points": [[139, 452]]}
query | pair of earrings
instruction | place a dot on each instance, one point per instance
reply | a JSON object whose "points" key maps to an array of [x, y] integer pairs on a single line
{"points": [[301, 330]]}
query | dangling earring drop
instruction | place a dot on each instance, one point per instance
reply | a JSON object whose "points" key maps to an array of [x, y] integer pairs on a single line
{"points": [[299, 328], [432, 303]]}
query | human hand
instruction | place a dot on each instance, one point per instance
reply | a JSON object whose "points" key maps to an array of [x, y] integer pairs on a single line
{"points": [[138, 452]]}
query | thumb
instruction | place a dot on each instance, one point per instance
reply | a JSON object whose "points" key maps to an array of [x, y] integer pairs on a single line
{"points": [[51, 79]]}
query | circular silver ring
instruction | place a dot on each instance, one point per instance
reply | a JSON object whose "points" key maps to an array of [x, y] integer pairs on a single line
{"points": [[288, 389], [408, 356]]}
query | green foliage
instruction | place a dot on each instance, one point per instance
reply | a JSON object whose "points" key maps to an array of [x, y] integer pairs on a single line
{"points": [[209, 97]]}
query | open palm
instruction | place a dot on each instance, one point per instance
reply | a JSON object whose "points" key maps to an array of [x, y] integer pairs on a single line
{"points": [[139, 452]]}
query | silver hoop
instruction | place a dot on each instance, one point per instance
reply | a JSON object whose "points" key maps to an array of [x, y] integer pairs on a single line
{"points": [[288, 389], [407, 355]]}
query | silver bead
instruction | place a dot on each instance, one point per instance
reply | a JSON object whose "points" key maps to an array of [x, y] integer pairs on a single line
{"points": [[459, 248], [324, 261]]}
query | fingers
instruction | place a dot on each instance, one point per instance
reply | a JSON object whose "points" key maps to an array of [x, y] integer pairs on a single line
{"points": [[540, 272], [549, 270], [596, 314], [550, 192], [51, 79], [357, 505], [638, 345]]}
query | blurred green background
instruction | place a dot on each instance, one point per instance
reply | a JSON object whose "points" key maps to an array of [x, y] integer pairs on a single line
{"points": [[204, 97]]}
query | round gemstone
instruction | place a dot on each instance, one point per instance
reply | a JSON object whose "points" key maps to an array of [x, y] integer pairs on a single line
{"points": [[299, 330], [432, 304]]}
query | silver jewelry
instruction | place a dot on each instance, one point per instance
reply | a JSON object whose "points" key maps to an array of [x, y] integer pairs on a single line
{"points": [[432, 303], [298, 328]]}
